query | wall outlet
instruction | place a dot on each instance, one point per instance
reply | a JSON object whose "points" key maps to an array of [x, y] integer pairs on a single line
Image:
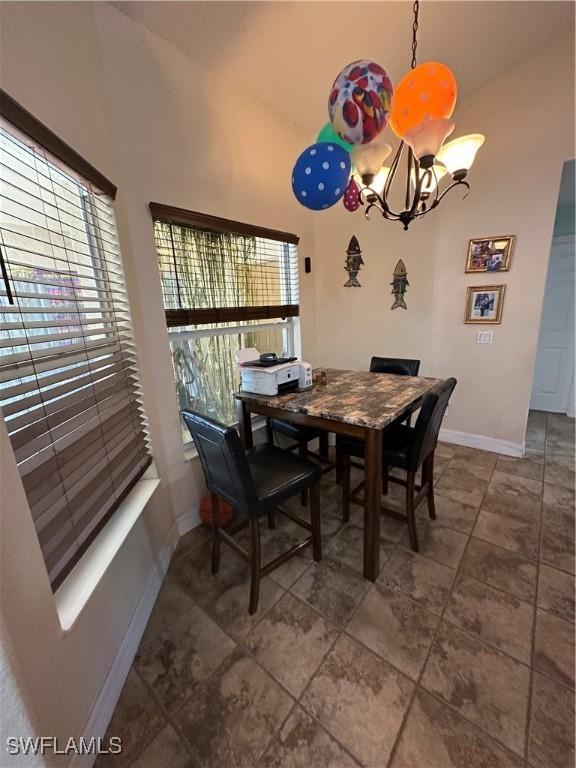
{"points": [[484, 337]]}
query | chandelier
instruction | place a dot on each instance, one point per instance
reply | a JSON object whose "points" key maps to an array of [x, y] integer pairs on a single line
{"points": [[347, 160]]}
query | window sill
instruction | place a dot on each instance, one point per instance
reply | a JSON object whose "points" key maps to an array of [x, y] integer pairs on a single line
{"points": [[79, 586]]}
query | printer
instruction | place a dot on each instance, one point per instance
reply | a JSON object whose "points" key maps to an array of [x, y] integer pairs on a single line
{"points": [[270, 375]]}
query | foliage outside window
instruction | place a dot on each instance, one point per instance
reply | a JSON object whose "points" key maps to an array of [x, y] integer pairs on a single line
{"points": [[222, 291]]}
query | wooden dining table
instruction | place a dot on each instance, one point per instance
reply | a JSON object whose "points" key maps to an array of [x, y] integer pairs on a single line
{"points": [[352, 403]]}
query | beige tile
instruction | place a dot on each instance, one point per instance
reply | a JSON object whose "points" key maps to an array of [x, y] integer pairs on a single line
{"points": [[558, 499], [439, 543], [484, 459], [559, 470], [232, 716], [348, 548], [452, 514], [303, 743], [551, 734], [446, 450], [424, 580], [556, 592], [171, 603], [501, 568], [465, 482], [557, 545], [331, 588], [290, 642], [394, 627], [137, 719], [554, 647], [519, 536], [528, 466], [489, 688], [514, 496], [167, 749], [359, 699], [436, 736], [493, 616], [177, 659]]}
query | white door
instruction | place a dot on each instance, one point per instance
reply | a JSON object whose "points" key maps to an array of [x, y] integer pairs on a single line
{"points": [[554, 371]]}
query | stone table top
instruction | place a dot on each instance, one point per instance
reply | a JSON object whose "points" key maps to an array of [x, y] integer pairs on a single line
{"points": [[371, 400]]}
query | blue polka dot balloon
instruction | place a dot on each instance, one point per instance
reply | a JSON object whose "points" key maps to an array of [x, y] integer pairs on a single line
{"points": [[320, 176]]}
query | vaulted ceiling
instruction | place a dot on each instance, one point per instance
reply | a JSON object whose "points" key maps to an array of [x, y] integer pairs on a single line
{"points": [[288, 53]]}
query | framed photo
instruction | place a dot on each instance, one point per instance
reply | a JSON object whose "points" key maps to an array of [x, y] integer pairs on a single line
{"points": [[490, 254], [484, 304]]}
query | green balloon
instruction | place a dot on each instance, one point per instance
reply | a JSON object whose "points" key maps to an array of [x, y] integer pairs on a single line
{"points": [[329, 134]]}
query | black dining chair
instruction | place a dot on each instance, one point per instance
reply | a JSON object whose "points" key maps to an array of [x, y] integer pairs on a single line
{"points": [[397, 365], [407, 448], [302, 436], [254, 482]]}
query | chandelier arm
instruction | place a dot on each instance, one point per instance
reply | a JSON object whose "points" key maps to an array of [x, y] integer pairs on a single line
{"points": [[454, 184], [393, 169], [408, 172], [417, 191]]}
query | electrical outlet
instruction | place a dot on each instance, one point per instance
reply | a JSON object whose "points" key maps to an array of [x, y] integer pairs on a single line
{"points": [[484, 337]]}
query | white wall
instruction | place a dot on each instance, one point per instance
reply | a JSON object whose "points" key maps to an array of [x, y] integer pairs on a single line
{"points": [[527, 116], [163, 129]]}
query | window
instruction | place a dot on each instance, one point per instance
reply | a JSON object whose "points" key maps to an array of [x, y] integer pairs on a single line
{"points": [[226, 285], [69, 388]]}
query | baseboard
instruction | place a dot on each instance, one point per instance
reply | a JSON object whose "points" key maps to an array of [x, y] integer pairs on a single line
{"points": [[188, 521], [110, 692], [492, 444]]}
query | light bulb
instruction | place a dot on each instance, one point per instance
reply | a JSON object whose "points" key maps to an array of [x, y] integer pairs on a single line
{"points": [[427, 137], [458, 155], [431, 179], [380, 179], [368, 158]]}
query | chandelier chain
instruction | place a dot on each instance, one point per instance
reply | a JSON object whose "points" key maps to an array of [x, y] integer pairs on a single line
{"points": [[415, 8]]}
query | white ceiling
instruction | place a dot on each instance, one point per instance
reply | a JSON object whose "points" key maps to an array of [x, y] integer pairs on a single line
{"points": [[288, 53]]}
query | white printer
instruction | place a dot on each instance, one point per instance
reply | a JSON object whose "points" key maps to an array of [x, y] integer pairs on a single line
{"points": [[269, 375]]}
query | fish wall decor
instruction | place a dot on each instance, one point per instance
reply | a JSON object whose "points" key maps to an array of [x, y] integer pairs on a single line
{"points": [[399, 285], [354, 263]]}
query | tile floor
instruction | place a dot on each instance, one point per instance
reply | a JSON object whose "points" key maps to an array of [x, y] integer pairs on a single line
{"points": [[461, 656]]}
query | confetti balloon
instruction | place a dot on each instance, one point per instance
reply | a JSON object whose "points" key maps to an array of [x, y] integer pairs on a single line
{"points": [[329, 134], [321, 175], [427, 92], [359, 102], [351, 197]]}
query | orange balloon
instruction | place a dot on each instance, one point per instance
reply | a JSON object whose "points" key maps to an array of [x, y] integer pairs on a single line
{"points": [[428, 91]]}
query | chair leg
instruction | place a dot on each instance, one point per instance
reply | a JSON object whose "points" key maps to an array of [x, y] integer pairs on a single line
{"points": [[323, 444], [272, 520], [385, 481], [428, 477], [315, 520], [302, 451], [215, 534], [254, 566], [346, 487], [410, 482]]}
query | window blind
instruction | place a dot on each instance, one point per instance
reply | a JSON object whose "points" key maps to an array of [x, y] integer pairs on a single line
{"points": [[69, 388], [218, 271]]}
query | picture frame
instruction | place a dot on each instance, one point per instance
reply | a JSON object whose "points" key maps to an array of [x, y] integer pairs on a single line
{"points": [[490, 254], [484, 304]]}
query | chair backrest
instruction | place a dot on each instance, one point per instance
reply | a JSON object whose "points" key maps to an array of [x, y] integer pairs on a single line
{"points": [[397, 365], [428, 423], [226, 469]]}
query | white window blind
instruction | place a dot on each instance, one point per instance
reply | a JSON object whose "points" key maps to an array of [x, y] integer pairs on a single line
{"points": [[69, 389]]}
